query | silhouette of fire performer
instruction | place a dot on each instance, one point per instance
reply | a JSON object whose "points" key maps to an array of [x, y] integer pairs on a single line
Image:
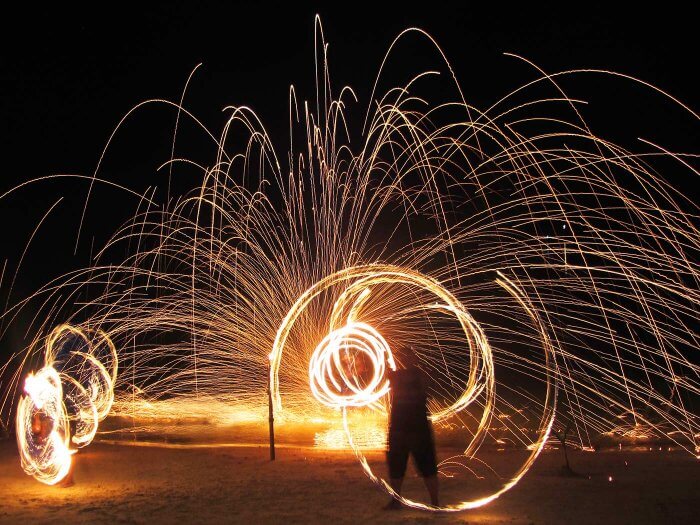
{"points": [[42, 426], [410, 430]]}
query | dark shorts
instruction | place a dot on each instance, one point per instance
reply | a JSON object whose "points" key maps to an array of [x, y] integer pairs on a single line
{"points": [[419, 444]]}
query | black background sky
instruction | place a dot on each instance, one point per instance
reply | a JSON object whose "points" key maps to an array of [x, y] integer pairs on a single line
{"points": [[69, 75]]}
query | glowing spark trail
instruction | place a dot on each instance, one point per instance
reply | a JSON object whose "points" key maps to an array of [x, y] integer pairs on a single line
{"points": [[532, 264]]}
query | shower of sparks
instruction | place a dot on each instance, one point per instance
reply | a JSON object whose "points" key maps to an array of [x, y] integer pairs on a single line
{"points": [[530, 262]]}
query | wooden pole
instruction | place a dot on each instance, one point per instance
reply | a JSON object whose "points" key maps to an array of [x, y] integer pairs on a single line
{"points": [[271, 421]]}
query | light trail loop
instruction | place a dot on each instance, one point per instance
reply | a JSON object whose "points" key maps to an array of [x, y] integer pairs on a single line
{"points": [[65, 400], [336, 382], [331, 368]]}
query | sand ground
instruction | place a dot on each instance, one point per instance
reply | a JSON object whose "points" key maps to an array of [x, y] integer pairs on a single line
{"points": [[149, 485]]}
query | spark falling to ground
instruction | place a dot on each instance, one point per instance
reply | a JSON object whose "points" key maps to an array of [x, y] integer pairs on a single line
{"points": [[519, 252]]}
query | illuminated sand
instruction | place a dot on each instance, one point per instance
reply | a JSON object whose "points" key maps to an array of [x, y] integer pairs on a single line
{"points": [[125, 484]]}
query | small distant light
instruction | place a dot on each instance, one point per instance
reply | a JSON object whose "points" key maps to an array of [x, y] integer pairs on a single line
{"points": [[609, 478]]}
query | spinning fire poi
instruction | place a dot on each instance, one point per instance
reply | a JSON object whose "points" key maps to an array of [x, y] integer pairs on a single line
{"points": [[64, 401]]}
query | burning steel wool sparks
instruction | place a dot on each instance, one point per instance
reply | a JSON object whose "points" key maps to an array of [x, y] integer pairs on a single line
{"points": [[544, 275]]}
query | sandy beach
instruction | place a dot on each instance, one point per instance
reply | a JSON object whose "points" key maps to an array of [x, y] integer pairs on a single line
{"points": [[228, 484]]}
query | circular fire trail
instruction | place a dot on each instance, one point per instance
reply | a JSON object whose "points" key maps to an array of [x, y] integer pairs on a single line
{"points": [[65, 400], [336, 386], [335, 381], [533, 265]]}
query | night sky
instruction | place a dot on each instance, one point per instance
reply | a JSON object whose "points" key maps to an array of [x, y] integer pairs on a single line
{"points": [[69, 75]]}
